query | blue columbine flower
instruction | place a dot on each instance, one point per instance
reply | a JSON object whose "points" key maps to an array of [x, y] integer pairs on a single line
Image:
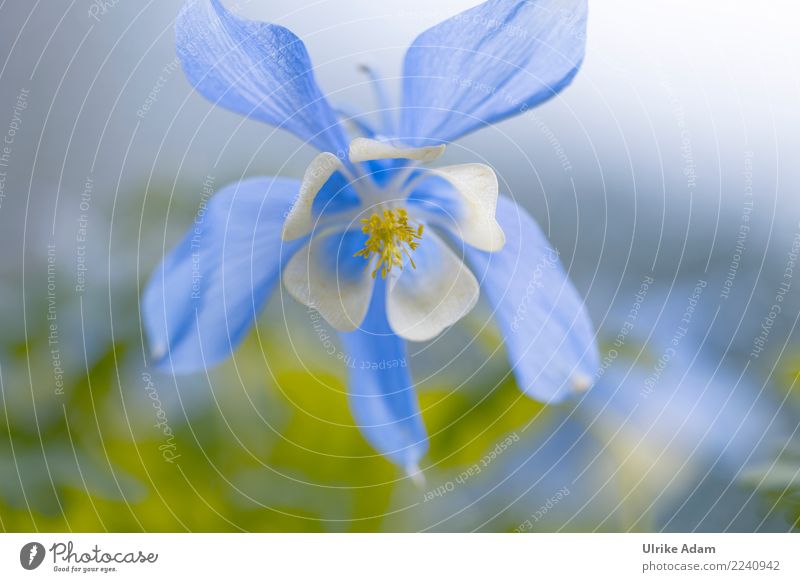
{"points": [[367, 237]]}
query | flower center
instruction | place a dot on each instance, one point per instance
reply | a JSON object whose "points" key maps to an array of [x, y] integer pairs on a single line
{"points": [[390, 237]]}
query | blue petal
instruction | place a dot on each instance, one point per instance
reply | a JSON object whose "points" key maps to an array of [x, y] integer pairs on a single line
{"points": [[489, 63], [549, 338], [258, 69], [339, 250], [382, 172], [438, 198], [206, 293], [337, 195], [382, 395]]}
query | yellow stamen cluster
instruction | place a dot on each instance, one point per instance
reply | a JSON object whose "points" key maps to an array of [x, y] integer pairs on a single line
{"points": [[390, 237]]}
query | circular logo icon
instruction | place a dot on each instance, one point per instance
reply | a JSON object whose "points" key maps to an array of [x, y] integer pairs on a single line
{"points": [[31, 555]]}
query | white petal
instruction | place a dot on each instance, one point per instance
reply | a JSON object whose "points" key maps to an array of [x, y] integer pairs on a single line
{"points": [[299, 222], [422, 302], [325, 276], [363, 149], [478, 187]]}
